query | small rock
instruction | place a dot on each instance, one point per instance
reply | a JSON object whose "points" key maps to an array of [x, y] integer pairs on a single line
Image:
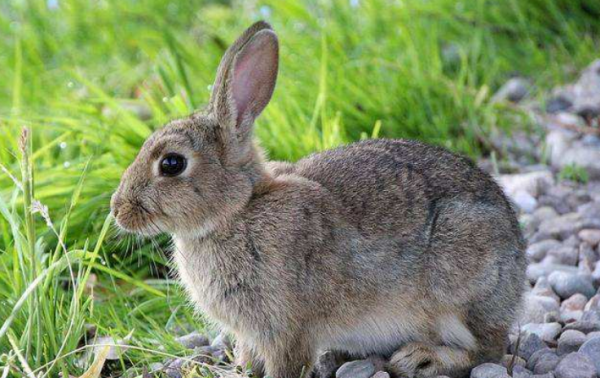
{"points": [[572, 308], [537, 307], [593, 304], [583, 326], [565, 255], [193, 340], [563, 226], [529, 343], [222, 342], [521, 372], [327, 363], [546, 363], [383, 374], [535, 357], [537, 251], [590, 236], [568, 284], [570, 341], [356, 369], [545, 268], [542, 288], [591, 349], [575, 365], [558, 104], [489, 370], [546, 331], [514, 90], [509, 359]]}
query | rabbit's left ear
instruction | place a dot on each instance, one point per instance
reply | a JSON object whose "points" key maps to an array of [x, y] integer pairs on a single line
{"points": [[248, 82]]}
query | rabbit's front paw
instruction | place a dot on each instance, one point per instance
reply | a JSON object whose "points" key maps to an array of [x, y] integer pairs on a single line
{"points": [[414, 360]]}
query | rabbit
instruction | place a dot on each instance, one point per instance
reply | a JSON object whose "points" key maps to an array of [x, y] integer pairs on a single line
{"points": [[381, 247]]}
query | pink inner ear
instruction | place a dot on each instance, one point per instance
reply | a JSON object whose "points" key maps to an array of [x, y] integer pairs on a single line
{"points": [[254, 75]]}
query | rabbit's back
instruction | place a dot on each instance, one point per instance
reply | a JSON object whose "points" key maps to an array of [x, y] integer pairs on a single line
{"points": [[395, 186]]}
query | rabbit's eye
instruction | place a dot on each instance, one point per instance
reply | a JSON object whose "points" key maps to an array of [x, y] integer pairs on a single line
{"points": [[172, 165]]}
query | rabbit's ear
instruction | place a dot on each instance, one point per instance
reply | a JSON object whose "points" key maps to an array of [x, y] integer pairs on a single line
{"points": [[246, 79]]}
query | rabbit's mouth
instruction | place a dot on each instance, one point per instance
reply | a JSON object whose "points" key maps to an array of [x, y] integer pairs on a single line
{"points": [[135, 218]]}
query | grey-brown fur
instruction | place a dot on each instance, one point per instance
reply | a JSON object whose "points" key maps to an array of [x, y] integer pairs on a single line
{"points": [[384, 246]]}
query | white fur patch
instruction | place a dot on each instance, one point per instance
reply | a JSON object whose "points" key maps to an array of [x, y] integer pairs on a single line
{"points": [[454, 333]]}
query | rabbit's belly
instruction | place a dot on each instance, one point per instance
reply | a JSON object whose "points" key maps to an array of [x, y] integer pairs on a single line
{"points": [[373, 335]]}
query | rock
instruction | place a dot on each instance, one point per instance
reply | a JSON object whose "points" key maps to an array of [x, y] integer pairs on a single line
{"points": [[565, 255], [572, 308], [521, 372], [511, 360], [537, 251], [570, 341], [590, 236], [193, 340], [593, 304], [546, 363], [596, 275], [327, 364], [535, 357], [489, 370], [545, 331], [525, 201], [591, 316], [542, 288], [514, 90], [529, 343], [575, 365], [356, 369], [590, 210], [222, 342], [174, 368], [568, 284], [531, 183], [383, 374], [536, 307], [583, 326], [563, 226], [545, 268], [558, 104], [591, 349]]}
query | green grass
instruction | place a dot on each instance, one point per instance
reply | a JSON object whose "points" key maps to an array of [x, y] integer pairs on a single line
{"points": [[92, 79]]}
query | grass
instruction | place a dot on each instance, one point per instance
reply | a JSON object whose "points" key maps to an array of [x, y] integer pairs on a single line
{"points": [[92, 79]]}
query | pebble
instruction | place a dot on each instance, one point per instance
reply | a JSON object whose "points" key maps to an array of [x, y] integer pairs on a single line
{"points": [[489, 370], [514, 90], [545, 331], [562, 226], [383, 374], [591, 349], [546, 363], [575, 365], [327, 364], [590, 236], [570, 341], [545, 268], [567, 284], [193, 340], [356, 369], [537, 307], [529, 343], [583, 326], [565, 254], [572, 308], [537, 251]]}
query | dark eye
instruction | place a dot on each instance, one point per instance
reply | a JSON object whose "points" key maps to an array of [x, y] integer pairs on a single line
{"points": [[172, 165]]}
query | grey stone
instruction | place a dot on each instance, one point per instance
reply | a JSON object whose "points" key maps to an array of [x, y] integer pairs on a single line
{"points": [[583, 326], [590, 236], [558, 104], [546, 363], [535, 357], [542, 288], [563, 226], [537, 251], [537, 307], [572, 308], [509, 360], [521, 372], [565, 255], [356, 369], [383, 374], [529, 343], [514, 90], [575, 365], [489, 370], [545, 331], [222, 341], [591, 349], [327, 364], [193, 340], [545, 268], [567, 284], [570, 341]]}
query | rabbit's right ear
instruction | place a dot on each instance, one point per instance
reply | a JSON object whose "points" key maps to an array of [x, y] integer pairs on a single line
{"points": [[245, 80]]}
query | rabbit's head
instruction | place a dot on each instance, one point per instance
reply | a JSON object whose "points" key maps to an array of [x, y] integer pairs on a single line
{"points": [[194, 173]]}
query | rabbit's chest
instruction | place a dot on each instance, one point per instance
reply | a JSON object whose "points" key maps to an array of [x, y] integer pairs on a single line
{"points": [[211, 286]]}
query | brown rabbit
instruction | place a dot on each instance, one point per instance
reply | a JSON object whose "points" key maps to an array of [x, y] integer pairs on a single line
{"points": [[386, 247]]}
